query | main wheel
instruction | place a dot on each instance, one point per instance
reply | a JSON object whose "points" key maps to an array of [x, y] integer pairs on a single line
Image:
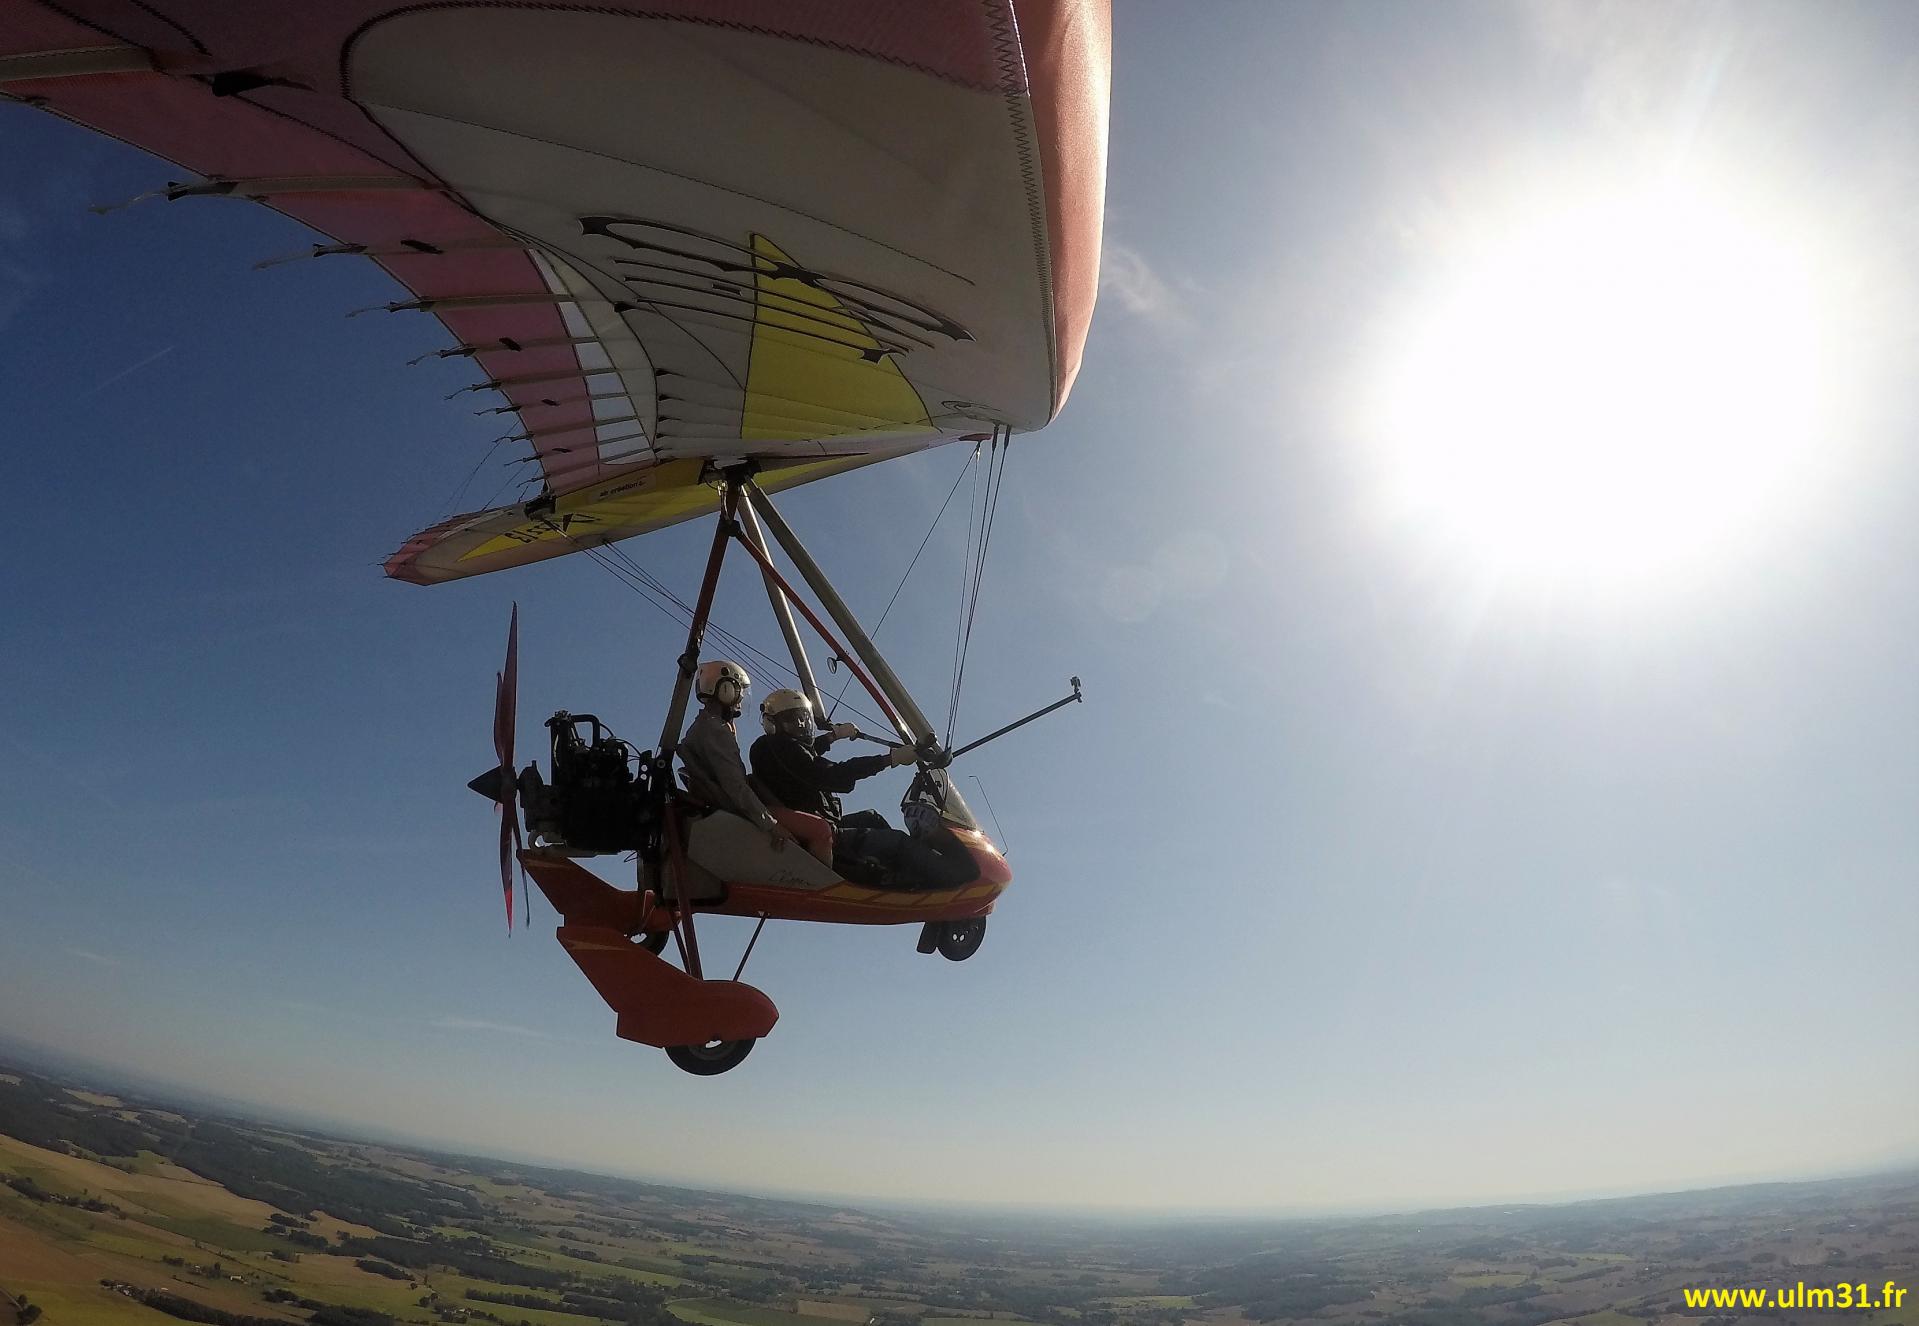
{"points": [[710, 1059], [654, 941], [960, 940]]}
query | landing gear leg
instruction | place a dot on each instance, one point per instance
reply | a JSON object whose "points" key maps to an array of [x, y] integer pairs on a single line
{"points": [[929, 936]]}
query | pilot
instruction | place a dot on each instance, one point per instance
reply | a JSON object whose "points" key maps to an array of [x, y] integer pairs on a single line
{"points": [[710, 750], [790, 765]]}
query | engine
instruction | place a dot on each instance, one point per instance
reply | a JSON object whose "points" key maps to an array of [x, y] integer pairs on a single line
{"points": [[600, 799]]}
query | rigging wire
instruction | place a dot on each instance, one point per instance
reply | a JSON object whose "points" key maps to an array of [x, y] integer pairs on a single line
{"points": [[874, 634], [995, 482], [649, 586], [493, 501], [467, 482], [727, 639], [622, 567], [966, 563], [677, 609], [1006, 848]]}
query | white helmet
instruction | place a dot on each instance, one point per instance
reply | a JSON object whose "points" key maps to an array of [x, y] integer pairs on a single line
{"points": [[722, 680], [781, 703]]}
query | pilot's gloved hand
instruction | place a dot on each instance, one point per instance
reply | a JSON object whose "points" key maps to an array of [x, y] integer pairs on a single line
{"points": [[902, 755], [843, 731]]}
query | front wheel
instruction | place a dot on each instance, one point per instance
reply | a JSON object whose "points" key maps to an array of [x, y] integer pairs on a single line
{"points": [[710, 1059], [960, 940]]}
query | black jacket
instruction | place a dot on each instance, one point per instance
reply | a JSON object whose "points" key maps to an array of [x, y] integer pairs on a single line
{"points": [[800, 777]]}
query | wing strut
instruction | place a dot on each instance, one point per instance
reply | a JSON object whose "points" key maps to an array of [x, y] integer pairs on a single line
{"points": [[670, 733], [914, 720], [756, 542]]}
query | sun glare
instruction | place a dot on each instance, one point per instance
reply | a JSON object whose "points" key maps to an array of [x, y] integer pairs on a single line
{"points": [[1610, 389]]}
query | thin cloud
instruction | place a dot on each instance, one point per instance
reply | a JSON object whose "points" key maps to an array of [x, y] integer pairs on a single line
{"points": [[1125, 275], [478, 1024], [1159, 313], [128, 371], [91, 956]]}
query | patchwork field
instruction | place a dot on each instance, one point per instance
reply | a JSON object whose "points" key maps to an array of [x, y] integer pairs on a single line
{"points": [[118, 1210]]}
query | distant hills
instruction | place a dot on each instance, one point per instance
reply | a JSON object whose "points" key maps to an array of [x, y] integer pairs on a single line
{"points": [[117, 1206]]}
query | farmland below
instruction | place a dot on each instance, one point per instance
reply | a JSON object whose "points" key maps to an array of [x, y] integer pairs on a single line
{"points": [[116, 1209]]}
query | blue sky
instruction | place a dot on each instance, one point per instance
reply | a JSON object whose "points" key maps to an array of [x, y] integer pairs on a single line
{"points": [[1380, 867]]}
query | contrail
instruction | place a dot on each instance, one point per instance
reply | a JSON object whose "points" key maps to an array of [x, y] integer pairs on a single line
{"points": [[476, 1024], [102, 386], [91, 956]]}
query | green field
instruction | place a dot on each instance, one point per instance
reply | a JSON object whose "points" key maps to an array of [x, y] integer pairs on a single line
{"points": [[553, 1259], [452, 1290], [218, 1233], [89, 1304], [145, 1162], [725, 1312]]}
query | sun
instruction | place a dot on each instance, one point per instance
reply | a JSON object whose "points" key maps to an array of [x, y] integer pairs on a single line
{"points": [[1618, 386]]}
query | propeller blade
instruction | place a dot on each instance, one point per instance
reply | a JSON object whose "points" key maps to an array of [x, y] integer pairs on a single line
{"points": [[501, 732], [508, 831], [526, 894], [509, 707], [500, 783]]}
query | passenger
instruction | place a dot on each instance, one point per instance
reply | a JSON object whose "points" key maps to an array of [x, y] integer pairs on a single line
{"points": [[790, 764], [710, 750]]}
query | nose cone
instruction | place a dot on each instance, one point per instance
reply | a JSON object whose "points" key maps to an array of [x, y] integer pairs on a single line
{"points": [[492, 785]]}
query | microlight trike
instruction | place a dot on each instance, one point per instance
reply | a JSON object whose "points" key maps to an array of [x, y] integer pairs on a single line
{"points": [[695, 858]]}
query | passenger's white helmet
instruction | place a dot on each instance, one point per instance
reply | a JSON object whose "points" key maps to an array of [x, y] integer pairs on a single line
{"points": [[722, 680], [781, 703]]}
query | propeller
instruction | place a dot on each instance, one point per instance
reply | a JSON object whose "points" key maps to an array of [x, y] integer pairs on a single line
{"points": [[499, 784]]}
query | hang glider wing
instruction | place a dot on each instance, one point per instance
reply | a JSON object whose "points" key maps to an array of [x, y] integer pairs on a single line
{"points": [[814, 234]]}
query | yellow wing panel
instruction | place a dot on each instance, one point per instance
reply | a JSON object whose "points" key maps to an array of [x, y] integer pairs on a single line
{"points": [[618, 508], [792, 362]]}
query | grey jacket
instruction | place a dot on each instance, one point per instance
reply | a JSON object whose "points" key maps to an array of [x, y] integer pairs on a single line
{"points": [[717, 775]]}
